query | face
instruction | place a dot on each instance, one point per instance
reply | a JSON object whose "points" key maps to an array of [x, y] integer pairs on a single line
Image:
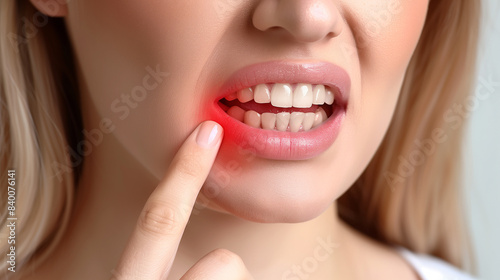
{"points": [[268, 72]]}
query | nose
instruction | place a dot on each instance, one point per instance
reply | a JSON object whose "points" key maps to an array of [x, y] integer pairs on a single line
{"points": [[304, 20]]}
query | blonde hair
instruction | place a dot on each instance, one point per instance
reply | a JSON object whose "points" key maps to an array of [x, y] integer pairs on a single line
{"points": [[35, 88], [410, 193], [40, 115]]}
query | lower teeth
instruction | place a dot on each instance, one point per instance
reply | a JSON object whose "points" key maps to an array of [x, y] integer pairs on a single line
{"points": [[284, 121]]}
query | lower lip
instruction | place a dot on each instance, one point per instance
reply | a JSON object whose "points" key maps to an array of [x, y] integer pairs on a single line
{"points": [[278, 145]]}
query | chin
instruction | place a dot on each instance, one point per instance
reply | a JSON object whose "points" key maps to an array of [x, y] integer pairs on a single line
{"points": [[268, 198]]}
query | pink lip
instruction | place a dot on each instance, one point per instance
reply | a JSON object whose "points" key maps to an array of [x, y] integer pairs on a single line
{"points": [[285, 145]]}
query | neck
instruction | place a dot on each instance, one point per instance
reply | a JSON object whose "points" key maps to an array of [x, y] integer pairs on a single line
{"points": [[270, 251]]}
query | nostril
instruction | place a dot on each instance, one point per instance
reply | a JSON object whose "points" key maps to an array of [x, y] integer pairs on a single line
{"points": [[305, 21]]}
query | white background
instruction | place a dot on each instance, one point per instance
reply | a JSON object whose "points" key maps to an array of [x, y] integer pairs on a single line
{"points": [[483, 153]]}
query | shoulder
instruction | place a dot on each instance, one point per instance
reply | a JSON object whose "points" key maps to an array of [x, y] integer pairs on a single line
{"points": [[431, 268]]}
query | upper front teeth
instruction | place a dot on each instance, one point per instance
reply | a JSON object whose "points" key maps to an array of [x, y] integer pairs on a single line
{"points": [[262, 94], [303, 96], [284, 96]]}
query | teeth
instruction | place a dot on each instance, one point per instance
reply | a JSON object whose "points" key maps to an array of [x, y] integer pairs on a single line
{"points": [[268, 120], [296, 119], [282, 120], [281, 96], [237, 113], [308, 121], [319, 117], [262, 94], [303, 96], [319, 95], [245, 95], [252, 118], [285, 95], [329, 98]]}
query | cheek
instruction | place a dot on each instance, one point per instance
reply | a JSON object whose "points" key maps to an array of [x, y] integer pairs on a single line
{"points": [[390, 32], [385, 35], [119, 48], [386, 32]]}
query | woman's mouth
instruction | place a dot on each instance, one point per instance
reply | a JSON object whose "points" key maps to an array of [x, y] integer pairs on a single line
{"points": [[281, 107], [283, 110]]}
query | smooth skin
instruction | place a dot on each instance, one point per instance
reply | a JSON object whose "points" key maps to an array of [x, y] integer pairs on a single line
{"points": [[200, 44], [166, 213]]}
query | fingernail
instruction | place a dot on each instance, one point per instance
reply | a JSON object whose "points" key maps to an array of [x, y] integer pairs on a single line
{"points": [[209, 134]]}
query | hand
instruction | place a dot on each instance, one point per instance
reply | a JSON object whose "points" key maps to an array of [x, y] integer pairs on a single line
{"points": [[151, 250]]}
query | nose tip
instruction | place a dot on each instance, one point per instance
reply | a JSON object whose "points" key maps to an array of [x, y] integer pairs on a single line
{"points": [[304, 20]]}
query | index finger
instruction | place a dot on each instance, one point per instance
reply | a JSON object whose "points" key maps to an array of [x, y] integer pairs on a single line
{"points": [[154, 242]]}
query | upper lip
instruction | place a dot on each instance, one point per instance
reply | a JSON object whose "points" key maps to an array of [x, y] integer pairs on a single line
{"points": [[324, 73]]}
